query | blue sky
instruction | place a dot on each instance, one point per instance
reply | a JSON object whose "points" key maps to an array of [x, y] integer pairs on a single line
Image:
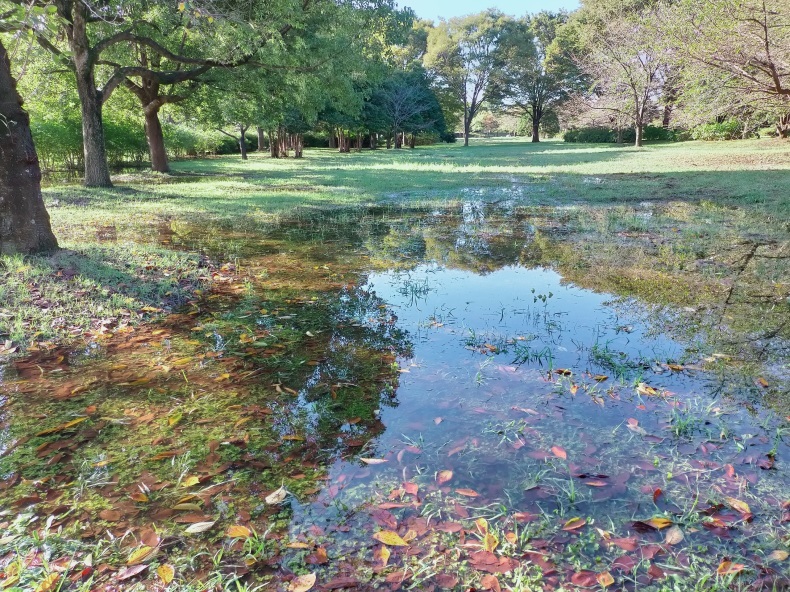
{"points": [[433, 9]]}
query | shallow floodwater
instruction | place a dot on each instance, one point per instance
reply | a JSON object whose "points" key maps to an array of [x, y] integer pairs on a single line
{"points": [[448, 377]]}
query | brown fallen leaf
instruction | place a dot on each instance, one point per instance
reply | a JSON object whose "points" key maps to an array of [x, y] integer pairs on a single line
{"points": [[467, 492], [674, 536], [727, 568], [443, 477], [490, 582], [302, 583], [605, 579], [574, 524], [559, 452]]}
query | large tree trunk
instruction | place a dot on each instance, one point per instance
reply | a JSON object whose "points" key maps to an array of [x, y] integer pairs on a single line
{"points": [[639, 129], [156, 140], [373, 141], [398, 139], [298, 146], [535, 130], [783, 126], [97, 171], [261, 139], [24, 222]]}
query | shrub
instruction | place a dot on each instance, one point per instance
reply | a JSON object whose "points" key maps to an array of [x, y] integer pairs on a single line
{"points": [[730, 129], [603, 135]]}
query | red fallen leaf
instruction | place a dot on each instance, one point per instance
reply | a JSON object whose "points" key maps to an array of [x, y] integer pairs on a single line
{"points": [[729, 471], [490, 582], [446, 581], [411, 488], [449, 527], [625, 563], [656, 494], [392, 506], [130, 572], [586, 579], [397, 577], [488, 562], [559, 452], [319, 557], [596, 483], [341, 583], [626, 544], [656, 572], [149, 538], [525, 517]]}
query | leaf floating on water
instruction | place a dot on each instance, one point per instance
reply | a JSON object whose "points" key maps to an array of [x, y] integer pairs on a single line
{"points": [[302, 583], [390, 538], [239, 531], [675, 367], [373, 461], [444, 477], [574, 389], [574, 524], [199, 527], [727, 568], [674, 536], [276, 497], [605, 579], [563, 372], [467, 492], [139, 555], [166, 573], [62, 427], [559, 452], [600, 378], [48, 583], [645, 389]]}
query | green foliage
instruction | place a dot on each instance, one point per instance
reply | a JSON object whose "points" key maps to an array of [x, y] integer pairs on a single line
{"points": [[726, 130], [605, 135]]}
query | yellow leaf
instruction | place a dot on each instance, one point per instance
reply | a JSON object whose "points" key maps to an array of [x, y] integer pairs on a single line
{"points": [[644, 389], [302, 583], [727, 568], [239, 532], [181, 6], [166, 573], [187, 507], [139, 555], [779, 555], [10, 581], [490, 542], [738, 505], [383, 555], [600, 377], [605, 579], [48, 583], [658, 522], [190, 481], [444, 477], [482, 525], [390, 538], [61, 427], [298, 545]]}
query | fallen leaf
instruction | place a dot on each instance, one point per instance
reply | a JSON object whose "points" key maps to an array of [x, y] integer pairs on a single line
{"points": [[600, 377], [574, 524], [190, 481], [762, 382], [302, 583], [373, 461], [438, 420], [239, 532], [276, 497], [166, 573], [674, 536], [382, 554], [738, 505], [490, 582], [647, 390], [139, 555], [62, 427], [48, 583], [778, 555], [199, 527], [490, 542], [130, 572], [605, 579], [444, 477], [559, 452], [727, 568], [467, 492], [658, 522], [390, 538]]}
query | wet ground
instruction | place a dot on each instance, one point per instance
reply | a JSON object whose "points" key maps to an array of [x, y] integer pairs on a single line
{"points": [[451, 398]]}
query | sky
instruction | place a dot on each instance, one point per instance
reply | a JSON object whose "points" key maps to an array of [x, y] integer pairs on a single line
{"points": [[433, 9]]}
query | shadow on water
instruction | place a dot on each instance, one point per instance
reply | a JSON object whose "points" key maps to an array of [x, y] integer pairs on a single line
{"points": [[498, 389]]}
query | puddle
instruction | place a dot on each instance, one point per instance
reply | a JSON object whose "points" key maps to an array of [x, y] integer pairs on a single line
{"points": [[445, 400]]}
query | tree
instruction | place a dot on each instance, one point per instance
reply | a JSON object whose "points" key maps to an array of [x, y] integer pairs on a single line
{"points": [[627, 68], [740, 46], [528, 77], [24, 222], [461, 55]]}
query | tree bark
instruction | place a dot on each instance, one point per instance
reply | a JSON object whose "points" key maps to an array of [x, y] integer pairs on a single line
{"points": [[156, 140], [24, 222], [398, 140], [467, 126], [639, 129], [261, 139], [243, 141], [783, 126], [97, 170], [535, 130], [373, 142]]}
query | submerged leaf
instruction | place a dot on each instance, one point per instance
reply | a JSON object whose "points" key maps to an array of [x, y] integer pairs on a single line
{"points": [[302, 583], [444, 477], [373, 461], [559, 452], [390, 538]]}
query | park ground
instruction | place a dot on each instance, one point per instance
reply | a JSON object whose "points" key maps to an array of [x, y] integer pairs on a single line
{"points": [[151, 366]]}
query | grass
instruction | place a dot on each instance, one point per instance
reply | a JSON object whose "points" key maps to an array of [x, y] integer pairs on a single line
{"points": [[239, 264]]}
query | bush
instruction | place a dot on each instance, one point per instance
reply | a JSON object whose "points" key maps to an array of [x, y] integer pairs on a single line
{"points": [[603, 135], [730, 129]]}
